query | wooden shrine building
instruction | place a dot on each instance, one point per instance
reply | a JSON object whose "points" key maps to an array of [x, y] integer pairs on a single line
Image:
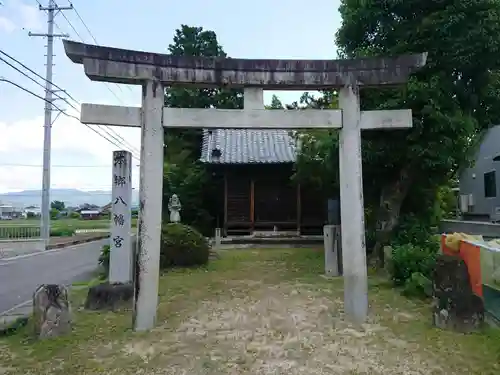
{"points": [[256, 167]]}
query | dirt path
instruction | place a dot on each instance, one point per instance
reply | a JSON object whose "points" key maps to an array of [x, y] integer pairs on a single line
{"points": [[281, 329]]}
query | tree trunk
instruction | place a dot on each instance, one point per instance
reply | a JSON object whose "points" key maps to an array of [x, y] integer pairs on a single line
{"points": [[391, 199]]}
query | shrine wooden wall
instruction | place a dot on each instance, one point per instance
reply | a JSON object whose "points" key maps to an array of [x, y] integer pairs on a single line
{"points": [[259, 197]]}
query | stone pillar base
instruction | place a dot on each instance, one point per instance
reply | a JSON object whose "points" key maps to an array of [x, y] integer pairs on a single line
{"points": [[108, 296]]}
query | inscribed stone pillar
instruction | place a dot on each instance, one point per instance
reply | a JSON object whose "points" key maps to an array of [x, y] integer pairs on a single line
{"points": [[351, 206], [150, 213], [120, 266]]}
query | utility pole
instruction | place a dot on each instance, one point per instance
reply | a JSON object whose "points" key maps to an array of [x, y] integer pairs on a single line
{"points": [[52, 11]]}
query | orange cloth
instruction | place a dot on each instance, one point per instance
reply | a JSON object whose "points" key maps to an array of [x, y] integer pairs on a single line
{"points": [[471, 255]]}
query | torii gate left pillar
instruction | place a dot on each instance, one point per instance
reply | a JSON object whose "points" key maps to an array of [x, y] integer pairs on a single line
{"points": [[153, 70]]}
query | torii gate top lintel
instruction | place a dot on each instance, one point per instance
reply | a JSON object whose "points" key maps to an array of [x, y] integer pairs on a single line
{"points": [[117, 65]]}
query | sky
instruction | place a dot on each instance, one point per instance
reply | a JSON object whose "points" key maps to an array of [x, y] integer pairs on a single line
{"points": [[80, 158]]}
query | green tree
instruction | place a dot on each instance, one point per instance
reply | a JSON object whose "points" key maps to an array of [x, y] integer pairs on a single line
{"points": [[58, 205], [453, 99], [195, 41], [184, 175], [54, 213], [275, 103]]}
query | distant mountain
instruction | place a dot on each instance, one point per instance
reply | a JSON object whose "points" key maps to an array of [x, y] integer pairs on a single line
{"points": [[71, 197]]}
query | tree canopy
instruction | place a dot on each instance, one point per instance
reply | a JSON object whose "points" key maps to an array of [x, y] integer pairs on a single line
{"points": [[453, 99], [58, 205], [195, 41]]}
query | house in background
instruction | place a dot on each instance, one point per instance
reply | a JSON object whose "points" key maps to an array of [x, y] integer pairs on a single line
{"points": [[253, 170], [32, 211], [9, 212], [480, 184], [90, 214]]}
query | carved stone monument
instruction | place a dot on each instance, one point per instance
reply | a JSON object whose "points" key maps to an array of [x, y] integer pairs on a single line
{"points": [[174, 207], [154, 71], [51, 311], [455, 305], [120, 256]]}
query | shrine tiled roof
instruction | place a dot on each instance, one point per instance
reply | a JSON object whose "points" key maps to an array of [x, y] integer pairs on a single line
{"points": [[248, 146]]}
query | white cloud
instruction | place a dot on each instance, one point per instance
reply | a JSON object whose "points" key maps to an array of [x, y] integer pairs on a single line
{"points": [[31, 16], [73, 144], [19, 15], [7, 25]]}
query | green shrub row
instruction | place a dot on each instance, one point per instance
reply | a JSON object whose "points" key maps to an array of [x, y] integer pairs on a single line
{"points": [[181, 246]]}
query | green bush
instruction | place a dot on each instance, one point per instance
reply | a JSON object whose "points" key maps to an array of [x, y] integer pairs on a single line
{"points": [[182, 246], [62, 232], [410, 259], [104, 258], [418, 285]]}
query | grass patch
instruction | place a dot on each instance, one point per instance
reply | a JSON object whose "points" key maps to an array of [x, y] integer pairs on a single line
{"points": [[257, 312]]}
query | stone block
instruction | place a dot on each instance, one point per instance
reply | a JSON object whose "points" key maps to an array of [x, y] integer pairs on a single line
{"points": [[107, 296], [51, 311], [455, 306]]}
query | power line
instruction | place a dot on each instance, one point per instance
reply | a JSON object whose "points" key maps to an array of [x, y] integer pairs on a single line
{"points": [[112, 133], [35, 95], [93, 37], [27, 76], [107, 84], [119, 144], [36, 74], [62, 111]]}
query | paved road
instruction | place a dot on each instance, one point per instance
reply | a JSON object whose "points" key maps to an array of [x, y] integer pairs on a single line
{"points": [[20, 277]]}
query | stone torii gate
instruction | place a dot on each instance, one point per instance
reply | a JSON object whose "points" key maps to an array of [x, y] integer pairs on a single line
{"points": [[154, 71]]}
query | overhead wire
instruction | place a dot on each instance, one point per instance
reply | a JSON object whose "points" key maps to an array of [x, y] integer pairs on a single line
{"points": [[92, 36], [109, 131], [95, 41], [59, 109]]}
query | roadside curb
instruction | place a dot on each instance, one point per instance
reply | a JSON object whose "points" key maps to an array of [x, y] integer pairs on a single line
{"points": [[77, 242]]}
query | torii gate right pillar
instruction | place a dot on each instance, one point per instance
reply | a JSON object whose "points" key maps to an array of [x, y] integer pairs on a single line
{"points": [[351, 205]]}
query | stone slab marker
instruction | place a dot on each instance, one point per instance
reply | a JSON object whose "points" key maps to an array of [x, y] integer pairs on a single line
{"points": [[253, 75], [218, 238], [333, 266], [120, 262], [51, 311]]}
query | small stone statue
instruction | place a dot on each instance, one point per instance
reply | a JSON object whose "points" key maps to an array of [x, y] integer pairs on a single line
{"points": [[174, 206]]}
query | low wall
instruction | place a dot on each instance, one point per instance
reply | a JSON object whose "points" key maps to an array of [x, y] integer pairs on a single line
{"points": [[470, 227]]}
